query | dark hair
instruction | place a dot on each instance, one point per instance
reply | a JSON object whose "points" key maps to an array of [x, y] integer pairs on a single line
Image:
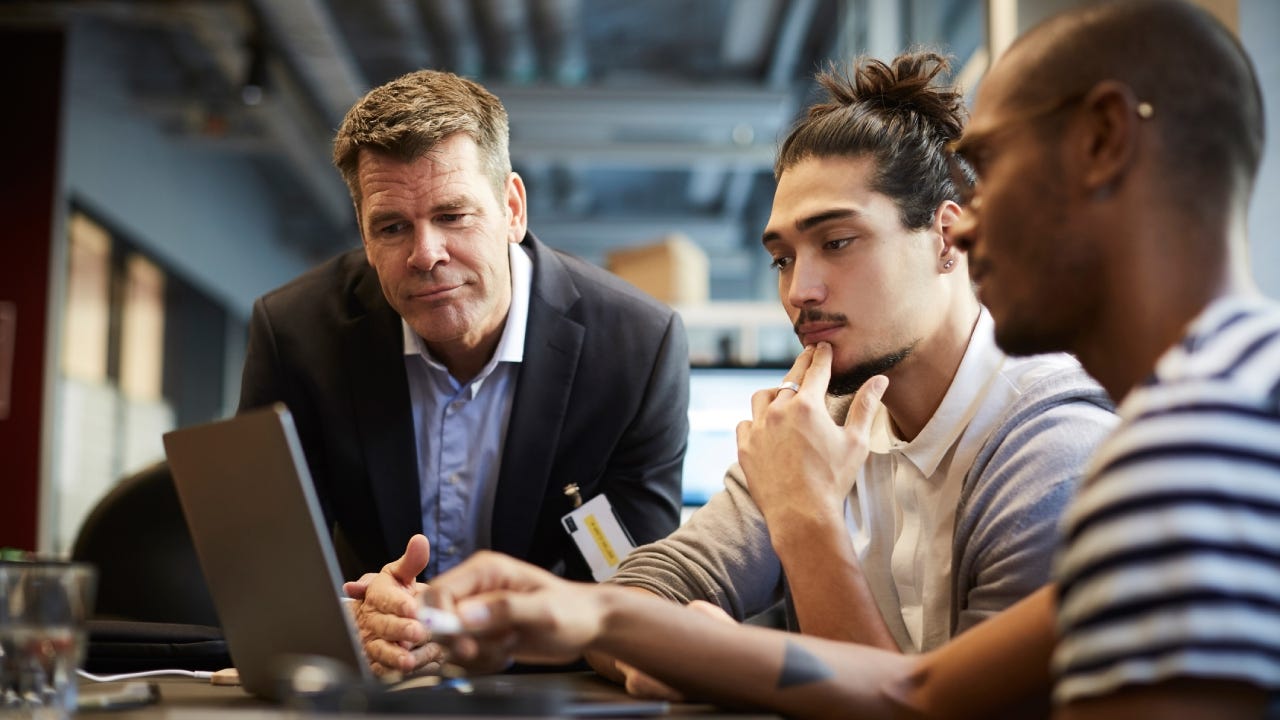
{"points": [[1181, 60], [895, 113], [410, 115]]}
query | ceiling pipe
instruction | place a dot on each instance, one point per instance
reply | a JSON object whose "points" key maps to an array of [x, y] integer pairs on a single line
{"points": [[564, 48], [452, 28], [306, 33], [403, 44], [508, 39], [786, 51]]}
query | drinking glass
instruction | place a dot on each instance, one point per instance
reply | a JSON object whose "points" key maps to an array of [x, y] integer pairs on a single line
{"points": [[43, 609]]}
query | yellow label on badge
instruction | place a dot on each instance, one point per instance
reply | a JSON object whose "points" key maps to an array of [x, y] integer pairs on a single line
{"points": [[602, 542]]}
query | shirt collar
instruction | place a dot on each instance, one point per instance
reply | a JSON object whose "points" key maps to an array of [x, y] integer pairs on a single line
{"points": [[511, 345], [980, 365]]}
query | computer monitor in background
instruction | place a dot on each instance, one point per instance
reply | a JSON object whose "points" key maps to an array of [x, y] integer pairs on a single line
{"points": [[719, 398]]}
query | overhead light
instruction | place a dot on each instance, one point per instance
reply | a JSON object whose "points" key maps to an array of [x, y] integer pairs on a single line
{"points": [[255, 79]]}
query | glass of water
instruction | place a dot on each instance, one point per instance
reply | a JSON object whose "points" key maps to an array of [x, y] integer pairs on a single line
{"points": [[43, 609]]}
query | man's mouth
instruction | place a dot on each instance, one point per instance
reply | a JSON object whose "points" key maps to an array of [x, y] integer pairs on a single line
{"points": [[814, 332], [434, 293]]}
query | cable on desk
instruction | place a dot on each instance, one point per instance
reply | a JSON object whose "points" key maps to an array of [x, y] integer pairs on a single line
{"points": [[198, 674]]}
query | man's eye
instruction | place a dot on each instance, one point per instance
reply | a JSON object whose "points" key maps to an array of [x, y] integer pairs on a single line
{"points": [[450, 217], [780, 263], [392, 229], [837, 244]]}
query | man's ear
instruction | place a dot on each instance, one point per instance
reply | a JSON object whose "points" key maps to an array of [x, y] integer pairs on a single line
{"points": [[945, 219], [1108, 136], [517, 208]]}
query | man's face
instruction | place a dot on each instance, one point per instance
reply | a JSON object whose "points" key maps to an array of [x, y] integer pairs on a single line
{"points": [[437, 235], [1024, 229], [849, 273]]}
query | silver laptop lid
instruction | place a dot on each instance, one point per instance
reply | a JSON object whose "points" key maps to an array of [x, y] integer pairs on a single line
{"points": [[260, 536]]}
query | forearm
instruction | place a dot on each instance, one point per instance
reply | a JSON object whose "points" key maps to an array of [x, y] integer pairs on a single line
{"points": [[738, 666], [721, 555], [604, 663], [995, 667], [828, 588]]}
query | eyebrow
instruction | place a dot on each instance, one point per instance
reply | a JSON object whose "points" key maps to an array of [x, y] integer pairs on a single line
{"points": [[812, 221], [454, 203]]}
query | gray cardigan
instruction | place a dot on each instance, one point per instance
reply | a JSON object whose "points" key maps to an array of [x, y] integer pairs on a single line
{"points": [[1006, 520]]}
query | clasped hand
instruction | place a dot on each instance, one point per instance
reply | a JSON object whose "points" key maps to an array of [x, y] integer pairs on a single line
{"points": [[509, 611], [386, 612]]}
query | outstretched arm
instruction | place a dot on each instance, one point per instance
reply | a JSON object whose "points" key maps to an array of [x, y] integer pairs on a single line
{"points": [[541, 618]]}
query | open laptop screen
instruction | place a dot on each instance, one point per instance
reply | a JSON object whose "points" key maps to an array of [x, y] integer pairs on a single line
{"points": [[719, 398]]}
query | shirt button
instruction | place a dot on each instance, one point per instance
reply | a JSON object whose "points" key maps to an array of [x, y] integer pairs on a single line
{"points": [[451, 550], [455, 406], [454, 479]]}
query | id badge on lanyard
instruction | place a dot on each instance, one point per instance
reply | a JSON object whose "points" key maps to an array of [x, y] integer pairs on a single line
{"points": [[599, 535]]}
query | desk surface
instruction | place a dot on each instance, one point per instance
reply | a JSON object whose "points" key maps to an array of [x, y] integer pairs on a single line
{"points": [[189, 699]]}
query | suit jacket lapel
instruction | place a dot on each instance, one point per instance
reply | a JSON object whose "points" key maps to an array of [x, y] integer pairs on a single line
{"points": [[553, 343], [384, 419]]}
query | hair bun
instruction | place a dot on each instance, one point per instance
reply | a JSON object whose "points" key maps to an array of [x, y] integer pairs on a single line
{"points": [[905, 88]]}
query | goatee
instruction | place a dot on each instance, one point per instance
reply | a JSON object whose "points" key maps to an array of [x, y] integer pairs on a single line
{"points": [[848, 382]]}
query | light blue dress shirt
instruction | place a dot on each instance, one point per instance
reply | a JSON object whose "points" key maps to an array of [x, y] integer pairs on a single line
{"points": [[460, 430]]}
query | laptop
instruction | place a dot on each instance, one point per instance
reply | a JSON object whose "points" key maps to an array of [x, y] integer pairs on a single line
{"points": [[270, 565]]}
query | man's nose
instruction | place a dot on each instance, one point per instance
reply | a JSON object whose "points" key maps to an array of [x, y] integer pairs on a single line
{"points": [[807, 284], [429, 249]]}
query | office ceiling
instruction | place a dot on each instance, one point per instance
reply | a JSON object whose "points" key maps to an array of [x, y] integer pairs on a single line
{"points": [[630, 119]]}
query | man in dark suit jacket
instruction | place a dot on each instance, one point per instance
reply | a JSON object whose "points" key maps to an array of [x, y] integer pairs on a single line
{"points": [[375, 350]]}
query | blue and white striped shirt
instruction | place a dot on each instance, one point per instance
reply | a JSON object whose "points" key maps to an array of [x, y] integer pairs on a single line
{"points": [[1171, 551]]}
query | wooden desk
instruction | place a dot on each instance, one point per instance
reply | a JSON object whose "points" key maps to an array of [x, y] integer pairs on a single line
{"points": [[189, 699]]}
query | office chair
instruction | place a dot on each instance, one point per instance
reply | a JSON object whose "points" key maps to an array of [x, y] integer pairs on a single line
{"points": [[147, 566], [153, 608]]}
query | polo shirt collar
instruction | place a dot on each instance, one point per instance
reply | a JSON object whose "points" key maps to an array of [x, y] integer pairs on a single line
{"points": [[980, 365]]}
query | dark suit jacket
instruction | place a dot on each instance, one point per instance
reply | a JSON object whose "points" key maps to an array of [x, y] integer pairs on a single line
{"points": [[601, 400]]}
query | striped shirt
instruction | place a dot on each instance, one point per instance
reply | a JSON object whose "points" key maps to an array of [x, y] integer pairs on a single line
{"points": [[1170, 565]]}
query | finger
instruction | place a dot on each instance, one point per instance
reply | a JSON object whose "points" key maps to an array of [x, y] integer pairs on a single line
{"points": [[489, 654], [427, 657], [407, 567], [817, 374], [642, 685], [389, 656], [760, 400], [743, 435], [392, 628], [865, 404], [355, 589], [386, 596], [485, 571]]}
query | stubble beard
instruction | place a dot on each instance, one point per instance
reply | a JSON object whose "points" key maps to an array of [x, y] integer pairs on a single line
{"points": [[847, 383]]}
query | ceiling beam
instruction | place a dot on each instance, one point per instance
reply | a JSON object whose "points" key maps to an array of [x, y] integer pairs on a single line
{"points": [[307, 34], [588, 236], [786, 52]]}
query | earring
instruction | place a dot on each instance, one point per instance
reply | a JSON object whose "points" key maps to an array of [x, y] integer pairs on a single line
{"points": [[947, 265]]}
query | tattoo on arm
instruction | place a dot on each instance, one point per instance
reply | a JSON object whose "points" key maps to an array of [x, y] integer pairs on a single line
{"points": [[801, 667]]}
